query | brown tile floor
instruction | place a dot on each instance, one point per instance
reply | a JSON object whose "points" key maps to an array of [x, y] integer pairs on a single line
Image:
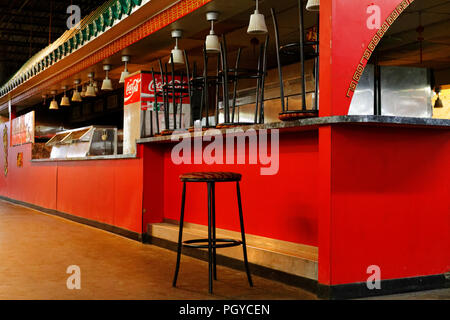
{"points": [[36, 249]]}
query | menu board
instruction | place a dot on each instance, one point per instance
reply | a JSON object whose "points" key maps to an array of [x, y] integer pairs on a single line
{"points": [[22, 129]]}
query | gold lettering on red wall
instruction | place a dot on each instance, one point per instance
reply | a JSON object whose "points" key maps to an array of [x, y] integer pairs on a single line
{"points": [[5, 149], [373, 44]]}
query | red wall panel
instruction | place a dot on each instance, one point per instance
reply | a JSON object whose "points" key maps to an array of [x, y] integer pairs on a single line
{"points": [[282, 206], [33, 183], [108, 191], [390, 203]]}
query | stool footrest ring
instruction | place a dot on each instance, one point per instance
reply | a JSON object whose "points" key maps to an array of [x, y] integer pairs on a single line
{"points": [[217, 243]]}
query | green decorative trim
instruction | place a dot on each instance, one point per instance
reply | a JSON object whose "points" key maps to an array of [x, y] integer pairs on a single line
{"points": [[93, 29], [117, 10], [91, 26], [85, 35], [71, 44], [100, 22], [108, 15], [77, 40], [61, 51], [126, 6]]}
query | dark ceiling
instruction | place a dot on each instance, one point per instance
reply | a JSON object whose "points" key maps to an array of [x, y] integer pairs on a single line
{"points": [[420, 37], [27, 26]]}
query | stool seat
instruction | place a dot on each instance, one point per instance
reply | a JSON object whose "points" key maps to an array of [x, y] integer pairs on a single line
{"points": [[211, 177]]}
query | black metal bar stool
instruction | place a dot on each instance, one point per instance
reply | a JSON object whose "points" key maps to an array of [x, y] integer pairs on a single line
{"points": [[210, 178], [289, 49]]}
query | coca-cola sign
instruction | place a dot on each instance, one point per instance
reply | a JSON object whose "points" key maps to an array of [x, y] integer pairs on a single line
{"points": [[142, 88], [133, 89], [149, 85]]}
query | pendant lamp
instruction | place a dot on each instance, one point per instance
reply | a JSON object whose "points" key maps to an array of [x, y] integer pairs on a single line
{"points": [[54, 104], [125, 72], [257, 24], [212, 40], [107, 83], [177, 54]]}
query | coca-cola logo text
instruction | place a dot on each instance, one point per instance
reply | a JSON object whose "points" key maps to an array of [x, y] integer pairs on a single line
{"points": [[132, 88]]}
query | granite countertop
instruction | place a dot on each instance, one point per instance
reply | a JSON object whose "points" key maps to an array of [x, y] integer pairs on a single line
{"points": [[110, 157], [314, 123]]}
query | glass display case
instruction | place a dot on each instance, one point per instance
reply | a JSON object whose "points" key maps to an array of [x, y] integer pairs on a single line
{"points": [[84, 142]]}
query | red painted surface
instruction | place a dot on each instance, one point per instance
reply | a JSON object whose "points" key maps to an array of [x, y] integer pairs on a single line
{"points": [[389, 203], [282, 206], [153, 184], [324, 204], [108, 191], [34, 184], [364, 195], [344, 36]]}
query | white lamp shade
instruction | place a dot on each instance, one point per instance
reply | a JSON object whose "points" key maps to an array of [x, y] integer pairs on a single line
{"points": [[257, 24], [65, 101], [76, 96], [178, 56], [107, 85], [123, 76], [313, 5], [54, 105], [90, 91], [212, 43]]}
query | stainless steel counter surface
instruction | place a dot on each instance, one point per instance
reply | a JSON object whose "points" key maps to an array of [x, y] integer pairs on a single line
{"points": [[314, 123], [111, 157]]}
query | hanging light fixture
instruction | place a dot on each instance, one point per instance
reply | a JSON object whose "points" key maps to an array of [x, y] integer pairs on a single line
{"points": [[107, 83], [83, 91], [44, 97], [212, 40], [76, 94], [177, 54], [54, 104], [65, 99], [90, 90], [438, 103], [257, 24], [313, 5], [125, 72]]}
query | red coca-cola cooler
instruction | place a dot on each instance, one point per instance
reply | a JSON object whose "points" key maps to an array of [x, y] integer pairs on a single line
{"points": [[141, 112]]}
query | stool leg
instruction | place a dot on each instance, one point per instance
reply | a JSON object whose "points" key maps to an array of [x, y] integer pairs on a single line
{"points": [[244, 245], [210, 240], [180, 235], [213, 200]]}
